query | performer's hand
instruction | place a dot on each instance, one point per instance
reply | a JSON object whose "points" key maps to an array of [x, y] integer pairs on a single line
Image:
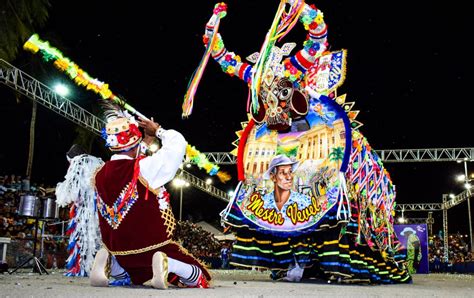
{"points": [[149, 126]]}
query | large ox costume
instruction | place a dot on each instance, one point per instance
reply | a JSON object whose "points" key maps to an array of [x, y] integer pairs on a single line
{"points": [[313, 197]]}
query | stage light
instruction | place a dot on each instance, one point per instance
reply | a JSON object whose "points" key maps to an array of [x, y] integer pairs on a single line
{"points": [[178, 182], [61, 89]]}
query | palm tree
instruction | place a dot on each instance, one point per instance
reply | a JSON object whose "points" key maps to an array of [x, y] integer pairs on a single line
{"points": [[19, 19], [337, 154]]}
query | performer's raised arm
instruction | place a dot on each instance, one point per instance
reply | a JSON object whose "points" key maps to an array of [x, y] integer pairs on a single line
{"points": [[315, 43], [161, 167], [229, 61]]}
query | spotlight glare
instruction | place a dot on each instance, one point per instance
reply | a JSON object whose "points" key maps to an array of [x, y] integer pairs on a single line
{"points": [[61, 89], [179, 182]]}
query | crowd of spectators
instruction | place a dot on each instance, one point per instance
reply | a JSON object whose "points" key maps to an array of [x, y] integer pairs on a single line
{"points": [[199, 242], [460, 259], [20, 228]]}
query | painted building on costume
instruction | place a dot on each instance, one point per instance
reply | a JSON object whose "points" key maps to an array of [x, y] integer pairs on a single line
{"points": [[318, 142], [314, 144]]}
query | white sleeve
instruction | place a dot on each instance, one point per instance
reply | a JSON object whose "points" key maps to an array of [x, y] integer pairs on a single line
{"points": [[161, 167]]}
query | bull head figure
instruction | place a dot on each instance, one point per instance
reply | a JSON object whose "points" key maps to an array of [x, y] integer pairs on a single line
{"points": [[279, 103], [281, 96]]}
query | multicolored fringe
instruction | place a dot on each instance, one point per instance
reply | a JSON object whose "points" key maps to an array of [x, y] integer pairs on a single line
{"points": [[73, 262], [77, 192], [375, 195], [220, 11], [265, 51]]}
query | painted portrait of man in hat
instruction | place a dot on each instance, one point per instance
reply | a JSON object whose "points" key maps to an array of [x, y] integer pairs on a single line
{"points": [[281, 172]]}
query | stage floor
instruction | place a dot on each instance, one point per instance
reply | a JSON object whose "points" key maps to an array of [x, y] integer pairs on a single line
{"points": [[234, 283]]}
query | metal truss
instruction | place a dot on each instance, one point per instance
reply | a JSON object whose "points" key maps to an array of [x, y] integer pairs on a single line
{"points": [[445, 229], [415, 220], [419, 207], [42, 94], [390, 155], [222, 158], [436, 206], [458, 199], [425, 155]]}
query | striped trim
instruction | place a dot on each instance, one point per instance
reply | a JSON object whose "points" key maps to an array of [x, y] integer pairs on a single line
{"points": [[220, 54], [253, 239], [193, 278], [296, 64], [303, 61], [268, 251]]}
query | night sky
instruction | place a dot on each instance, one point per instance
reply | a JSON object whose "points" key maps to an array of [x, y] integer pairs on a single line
{"points": [[407, 71]]}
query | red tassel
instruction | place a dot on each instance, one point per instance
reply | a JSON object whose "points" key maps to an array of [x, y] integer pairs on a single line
{"points": [[72, 211], [133, 183], [241, 150]]}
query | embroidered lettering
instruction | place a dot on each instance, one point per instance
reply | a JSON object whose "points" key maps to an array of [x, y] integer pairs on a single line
{"points": [[269, 215], [299, 216]]}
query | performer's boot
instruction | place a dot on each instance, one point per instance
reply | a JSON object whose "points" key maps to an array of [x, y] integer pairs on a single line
{"points": [[160, 270], [98, 277]]}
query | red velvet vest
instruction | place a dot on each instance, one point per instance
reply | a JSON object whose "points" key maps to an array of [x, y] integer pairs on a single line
{"points": [[144, 225]]}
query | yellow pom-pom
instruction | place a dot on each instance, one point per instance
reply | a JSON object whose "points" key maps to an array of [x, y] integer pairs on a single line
{"points": [[61, 64], [223, 176], [31, 47], [230, 69], [191, 152], [208, 167]]}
